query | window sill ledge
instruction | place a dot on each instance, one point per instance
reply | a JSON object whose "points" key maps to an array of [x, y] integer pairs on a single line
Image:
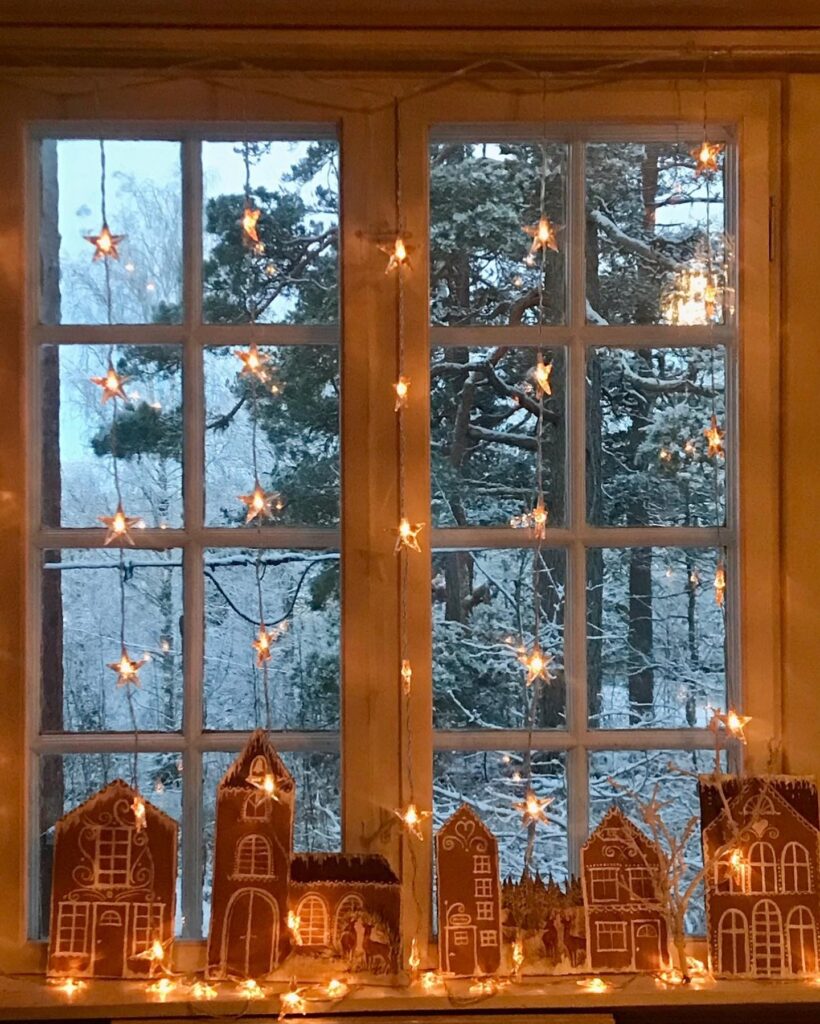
{"points": [[30, 998]]}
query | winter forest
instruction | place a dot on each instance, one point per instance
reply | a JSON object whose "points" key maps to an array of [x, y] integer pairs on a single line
{"points": [[656, 253]]}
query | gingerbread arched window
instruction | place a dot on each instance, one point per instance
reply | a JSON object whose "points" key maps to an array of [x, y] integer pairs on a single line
{"points": [[796, 868], [762, 872], [254, 857]]}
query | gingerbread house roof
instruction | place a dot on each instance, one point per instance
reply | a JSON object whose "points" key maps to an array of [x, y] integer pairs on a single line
{"points": [[309, 868], [797, 795], [118, 789], [616, 828], [258, 745], [465, 812]]}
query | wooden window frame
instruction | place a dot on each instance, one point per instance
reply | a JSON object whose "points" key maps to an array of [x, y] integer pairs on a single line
{"points": [[376, 780]]}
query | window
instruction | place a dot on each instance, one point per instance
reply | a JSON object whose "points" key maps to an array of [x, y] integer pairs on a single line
{"points": [[147, 925], [640, 884], [254, 857], [257, 806], [487, 937], [313, 920], [173, 314], [484, 911], [483, 887], [630, 310], [610, 936], [762, 871], [113, 857], [72, 928], [481, 864], [796, 868], [605, 882]]}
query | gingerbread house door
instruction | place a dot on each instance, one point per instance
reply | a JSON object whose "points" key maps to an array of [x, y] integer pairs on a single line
{"points": [[647, 945], [251, 935], [460, 941], [767, 939], [110, 935]]}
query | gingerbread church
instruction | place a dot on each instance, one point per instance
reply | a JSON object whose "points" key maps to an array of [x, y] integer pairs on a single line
{"points": [[760, 850], [269, 902], [114, 886]]}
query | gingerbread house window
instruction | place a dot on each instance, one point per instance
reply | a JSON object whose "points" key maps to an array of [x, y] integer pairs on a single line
{"points": [[113, 859], [483, 887], [254, 857], [488, 937], [313, 920], [640, 884], [727, 876], [346, 912], [257, 806], [762, 872], [767, 938], [147, 924], [733, 943], [72, 928], [604, 885], [610, 936], [796, 868], [484, 911], [801, 934], [481, 864]]}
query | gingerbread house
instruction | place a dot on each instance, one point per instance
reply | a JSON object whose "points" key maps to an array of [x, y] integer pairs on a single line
{"points": [[113, 886], [469, 896], [760, 850], [347, 904], [255, 801], [627, 928]]}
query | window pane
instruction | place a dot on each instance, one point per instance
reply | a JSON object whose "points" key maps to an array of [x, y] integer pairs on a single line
{"points": [[82, 434], [484, 411], [492, 781], [300, 602], [293, 413], [289, 272], [66, 780], [655, 239], [647, 454], [143, 204], [318, 807], [640, 771], [483, 613], [81, 639], [482, 196], [656, 637]]}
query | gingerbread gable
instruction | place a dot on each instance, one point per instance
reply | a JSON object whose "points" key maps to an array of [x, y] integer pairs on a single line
{"points": [[113, 886]]}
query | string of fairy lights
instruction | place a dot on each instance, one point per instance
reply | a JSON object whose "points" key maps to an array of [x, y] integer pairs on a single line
{"points": [[259, 376]]}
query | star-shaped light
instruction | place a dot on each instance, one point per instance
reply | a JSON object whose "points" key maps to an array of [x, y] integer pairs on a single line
{"points": [[292, 1001], [127, 669], [414, 960], [398, 253], [250, 216], [336, 989], [249, 988], [111, 384], [138, 807], [714, 438], [533, 808], [105, 244], [720, 585], [261, 503], [731, 722], [155, 953], [161, 988], [254, 362], [541, 375], [413, 819], [430, 980], [537, 665], [737, 862], [402, 389], [294, 927], [266, 784], [262, 645], [71, 987], [518, 955], [202, 990], [706, 157], [596, 986], [119, 525], [407, 535], [542, 235], [406, 676], [538, 519]]}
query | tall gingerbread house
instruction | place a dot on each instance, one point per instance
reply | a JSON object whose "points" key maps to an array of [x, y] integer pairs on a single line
{"points": [[252, 850], [469, 896], [113, 886], [627, 928], [760, 850]]}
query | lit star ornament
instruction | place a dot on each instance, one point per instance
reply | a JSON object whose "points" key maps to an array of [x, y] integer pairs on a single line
{"points": [[402, 390], [127, 669], [533, 808], [261, 503], [138, 807], [541, 374], [732, 722], [406, 676], [706, 157], [292, 1001], [250, 216], [112, 384], [262, 645], [714, 438], [407, 535], [70, 987], [542, 235], [537, 665], [720, 585], [105, 244], [254, 362], [119, 526], [250, 988], [414, 960], [267, 785], [413, 819], [398, 255]]}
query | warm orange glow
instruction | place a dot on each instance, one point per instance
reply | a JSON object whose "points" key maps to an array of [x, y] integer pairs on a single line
{"points": [[250, 988], [138, 807], [541, 374], [430, 980], [542, 235], [412, 819], [261, 503], [487, 986], [402, 389], [720, 585], [669, 979], [518, 955], [406, 677], [266, 784], [336, 989], [71, 987], [105, 244], [407, 535], [537, 664], [735, 724], [161, 988], [112, 384], [119, 526], [254, 362], [294, 924], [533, 808], [127, 669], [706, 157], [665, 455], [202, 990], [262, 645], [414, 960], [291, 1001], [714, 438], [596, 986], [398, 255], [250, 216]]}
